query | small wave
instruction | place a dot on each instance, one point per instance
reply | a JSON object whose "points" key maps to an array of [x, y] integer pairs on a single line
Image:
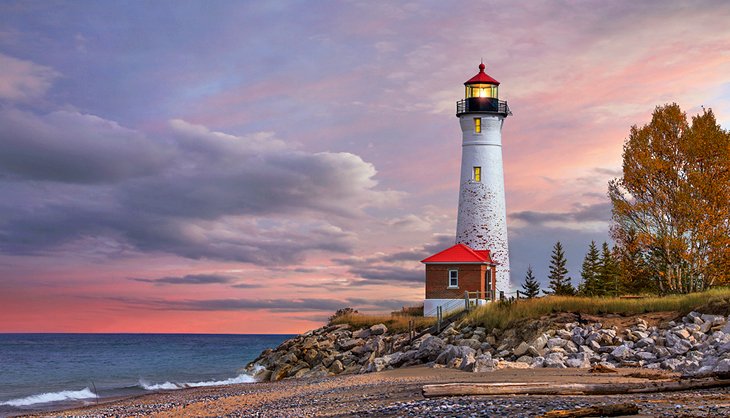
{"points": [[65, 395], [241, 378]]}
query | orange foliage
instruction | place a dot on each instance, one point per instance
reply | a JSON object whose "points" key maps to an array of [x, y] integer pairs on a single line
{"points": [[671, 207]]}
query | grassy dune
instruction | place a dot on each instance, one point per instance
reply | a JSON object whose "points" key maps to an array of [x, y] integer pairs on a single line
{"points": [[502, 315], [397, 323]]}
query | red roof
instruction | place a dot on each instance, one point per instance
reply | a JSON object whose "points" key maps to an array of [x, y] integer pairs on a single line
{"points": [[460, 253], [482, 77]]}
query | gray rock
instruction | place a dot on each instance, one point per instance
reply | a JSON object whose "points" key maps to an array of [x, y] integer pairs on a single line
{"points": [[540, 342], [579, 360], [554, 360], [378, 329], [470, 342], [671, 364], [646, 356], [570, 347], [337, 367], [723, 366], [682, 333], [350, 344], [525, 359], [521, 349], [538, 362], [361, 333], [622, 352], [468, 361], [644, 342], [483, 363], [556, 342], [452, 352], [430, 348]]}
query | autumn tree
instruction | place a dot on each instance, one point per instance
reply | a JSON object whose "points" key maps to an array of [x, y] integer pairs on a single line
{"points": [[633, 267], [589, 272], [671, 207], [559, 282], [531, 286]]}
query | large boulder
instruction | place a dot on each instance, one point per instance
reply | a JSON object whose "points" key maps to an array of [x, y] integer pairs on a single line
{"points": [[521, 349], [451, 352], [579, 360], [622, 352], [430, 348], [554, 360], [483, 363], [350, 344], [378, 329], [361, 333], [471, 342]]}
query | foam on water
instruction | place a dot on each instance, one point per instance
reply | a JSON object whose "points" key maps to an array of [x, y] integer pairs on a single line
{"points": [[65, 395], [241, 378]]}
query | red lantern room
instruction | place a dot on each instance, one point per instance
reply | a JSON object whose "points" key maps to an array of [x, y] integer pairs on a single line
{"points": [[482, 96]]}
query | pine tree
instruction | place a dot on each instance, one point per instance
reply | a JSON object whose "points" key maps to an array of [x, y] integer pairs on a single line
{"points": [[531, 286], [559, 282], [589, 272], [608, 272]]}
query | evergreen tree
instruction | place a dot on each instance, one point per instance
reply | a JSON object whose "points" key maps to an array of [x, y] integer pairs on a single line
{"points": [[589, 272], [608, 272], [559, 282], [531, 286]]}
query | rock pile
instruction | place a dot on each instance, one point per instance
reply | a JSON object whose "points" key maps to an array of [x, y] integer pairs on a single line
{"points": [[697, 344]]}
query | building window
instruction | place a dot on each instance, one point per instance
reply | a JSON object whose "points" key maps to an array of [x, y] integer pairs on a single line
{"points": [[478, 125], [453, 279], [477, 174]]}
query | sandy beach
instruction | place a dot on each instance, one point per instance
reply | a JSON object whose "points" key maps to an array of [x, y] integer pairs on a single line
{"points": [[398, 393]]}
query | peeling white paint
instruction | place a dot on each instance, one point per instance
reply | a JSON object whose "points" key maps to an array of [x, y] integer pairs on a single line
{"points": [[482, 217]]}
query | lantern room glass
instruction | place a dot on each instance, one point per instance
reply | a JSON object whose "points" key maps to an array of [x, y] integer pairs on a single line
{"points": [[482, 90]]}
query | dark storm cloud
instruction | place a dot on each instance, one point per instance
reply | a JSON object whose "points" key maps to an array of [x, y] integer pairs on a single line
{"points": [[190, 279], [70, 147], [197, 194], [399, 268], [587, 213], [388, 274]]}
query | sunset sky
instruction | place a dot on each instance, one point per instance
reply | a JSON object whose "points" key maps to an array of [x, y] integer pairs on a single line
{"points": [[250, 167]]}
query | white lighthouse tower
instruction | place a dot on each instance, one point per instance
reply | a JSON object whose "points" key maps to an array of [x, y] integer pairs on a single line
{"points": [[482, 217]]}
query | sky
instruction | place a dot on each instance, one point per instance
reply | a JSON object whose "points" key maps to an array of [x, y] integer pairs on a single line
{"points": [[250, 167]]}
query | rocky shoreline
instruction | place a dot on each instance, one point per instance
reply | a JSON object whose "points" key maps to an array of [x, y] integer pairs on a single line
{"points": [[693, 345]]}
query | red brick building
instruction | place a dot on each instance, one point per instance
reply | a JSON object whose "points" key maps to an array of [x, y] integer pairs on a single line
{"points": [[456, 270]]}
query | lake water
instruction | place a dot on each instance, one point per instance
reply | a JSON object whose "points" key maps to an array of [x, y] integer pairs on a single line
{"points": [[43, 371]]}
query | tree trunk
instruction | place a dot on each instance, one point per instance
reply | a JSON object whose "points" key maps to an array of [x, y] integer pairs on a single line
{"points": [[466, 389]]}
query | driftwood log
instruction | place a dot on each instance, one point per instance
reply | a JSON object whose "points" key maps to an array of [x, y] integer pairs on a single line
{"points": [[466, 389], [595, 411]]}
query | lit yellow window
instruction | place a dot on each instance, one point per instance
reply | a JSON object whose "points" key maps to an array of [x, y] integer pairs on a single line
{"points": [[477, 174], [478, 125]]}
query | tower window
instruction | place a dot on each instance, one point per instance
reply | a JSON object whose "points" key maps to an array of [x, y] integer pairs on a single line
{"points": [[477, 174], [478, 125], [453, 279]]}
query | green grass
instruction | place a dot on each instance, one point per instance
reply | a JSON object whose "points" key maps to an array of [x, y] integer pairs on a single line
{"points": [[502, 315], [395, 323]]}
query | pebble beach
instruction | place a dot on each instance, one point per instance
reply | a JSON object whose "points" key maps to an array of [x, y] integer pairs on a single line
{"points": [[398, 393]]}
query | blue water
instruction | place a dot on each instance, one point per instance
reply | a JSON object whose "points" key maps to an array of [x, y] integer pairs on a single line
{"points": [[41, 371]]}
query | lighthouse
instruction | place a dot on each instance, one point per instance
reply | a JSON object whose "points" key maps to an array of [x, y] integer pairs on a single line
{"points": [[482, 215], [476, 269]]}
